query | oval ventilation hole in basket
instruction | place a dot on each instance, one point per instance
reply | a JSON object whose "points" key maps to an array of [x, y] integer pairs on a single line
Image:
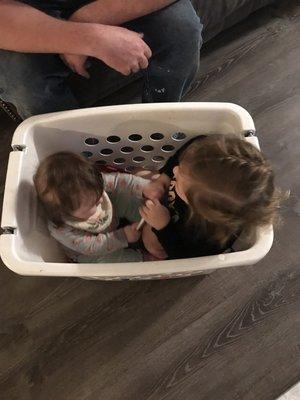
{"points": [[126, 150], [119, 161], [178, 136], [158, 158], [168, 148], [106, 152], [87, 154], [157, 136], [138, 159], [147, 148], [113, 139], [91, 141], [135, 137]]}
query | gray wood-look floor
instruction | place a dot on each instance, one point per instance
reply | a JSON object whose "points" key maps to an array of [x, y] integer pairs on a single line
{"points": [[231, 335]]}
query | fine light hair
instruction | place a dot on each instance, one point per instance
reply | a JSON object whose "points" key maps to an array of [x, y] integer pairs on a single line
{"points": [[62, 181], [233, 186]]}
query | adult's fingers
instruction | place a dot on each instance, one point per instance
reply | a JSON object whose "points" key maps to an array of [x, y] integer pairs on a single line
{"points": [[143, 62], [135, 68], [68, 64], [124, 70], [80, 69], [147, 51], [72, 67], [62, 57], [146, 48]]}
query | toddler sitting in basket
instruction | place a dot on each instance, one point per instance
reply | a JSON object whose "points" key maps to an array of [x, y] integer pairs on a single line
{"points": [[211, 190], [84, 208]]}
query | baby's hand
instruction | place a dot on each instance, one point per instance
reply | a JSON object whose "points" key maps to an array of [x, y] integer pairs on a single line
{"points": [[154, 190], [155, 214], [132, 235]]}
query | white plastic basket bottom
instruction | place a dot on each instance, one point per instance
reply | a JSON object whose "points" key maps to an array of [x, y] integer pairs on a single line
{"points": [[129, 136]]}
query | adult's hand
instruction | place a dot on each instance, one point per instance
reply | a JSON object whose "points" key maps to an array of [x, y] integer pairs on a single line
{"points": [[122, 49], [119, 48]]}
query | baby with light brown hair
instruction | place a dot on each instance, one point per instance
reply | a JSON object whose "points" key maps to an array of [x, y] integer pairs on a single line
{"points": [[84, 208]]}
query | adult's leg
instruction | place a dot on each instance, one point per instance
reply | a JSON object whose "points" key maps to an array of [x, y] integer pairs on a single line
{"points": [[41, 83], [35, 83], [174, 36]]}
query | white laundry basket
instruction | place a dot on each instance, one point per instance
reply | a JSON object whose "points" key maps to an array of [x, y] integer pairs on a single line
{"points": [[130, 136]]}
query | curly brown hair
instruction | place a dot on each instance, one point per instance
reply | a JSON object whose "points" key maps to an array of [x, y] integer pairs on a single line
{"points": [[62, 180], [233, 185]]}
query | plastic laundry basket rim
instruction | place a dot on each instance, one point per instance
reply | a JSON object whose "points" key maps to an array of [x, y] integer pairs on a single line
{"points": [[246, 119], [138, 270]]}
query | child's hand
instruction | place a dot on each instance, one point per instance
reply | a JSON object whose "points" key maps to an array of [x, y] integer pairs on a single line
{"points": [[155, 214], [154, 190], [132, 235]]}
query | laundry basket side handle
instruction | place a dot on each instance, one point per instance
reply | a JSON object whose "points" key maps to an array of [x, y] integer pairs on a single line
{"points": [[10, 200]]}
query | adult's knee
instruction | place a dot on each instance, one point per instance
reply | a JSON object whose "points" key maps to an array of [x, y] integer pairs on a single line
{"points": [[44, 99], [34, 83], [182, 25]]}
